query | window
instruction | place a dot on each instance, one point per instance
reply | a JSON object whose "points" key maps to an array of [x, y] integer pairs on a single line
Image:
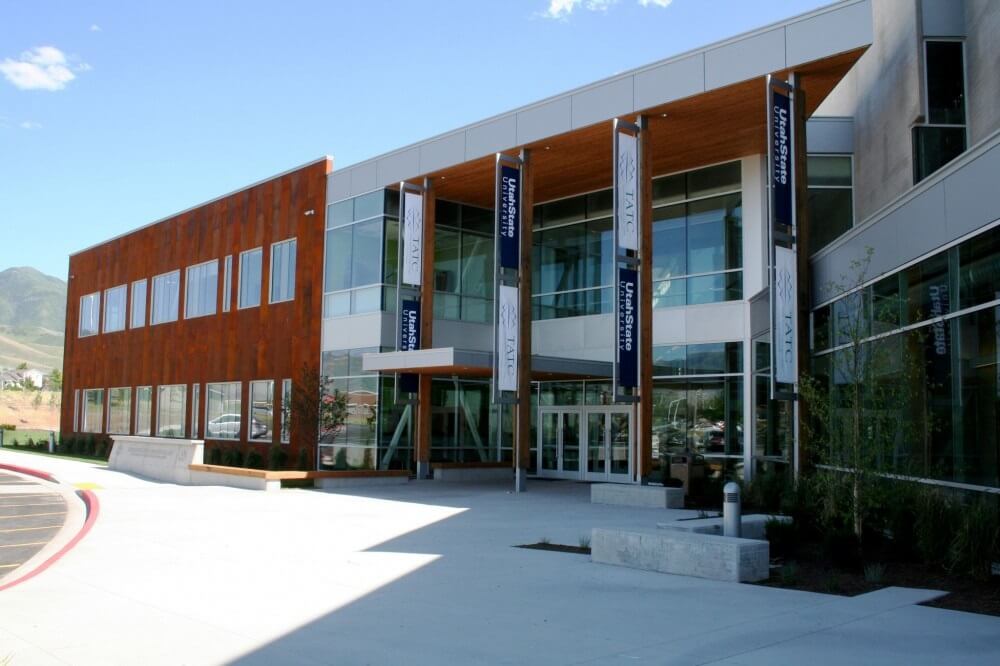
{"points": [[943, 137], [353, 443], [227, 284], [201, 288], [831, 200], [143, 410], [93, 410], [138, 313], [223, 410], [114, 308], [250, 280], [90, 314], [119, 405], [171, 401], [286, 410], [261, 423], [76, 410], [283, 271], [166, 297], [463, 263], [195, 398]]}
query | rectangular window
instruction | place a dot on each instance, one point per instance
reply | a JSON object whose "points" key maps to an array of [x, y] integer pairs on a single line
{"points": [[143, 410], [227, 284], [283, 271], [942, 137], [831, 198], [166, 297], [138, 312], [76, 410], [250, 279], [90, 314], [286, 410], [93, 410], [195, 398], [200, 289], [223, 410], [261, 423], [171, 402], [114, 308], [119, 406]]}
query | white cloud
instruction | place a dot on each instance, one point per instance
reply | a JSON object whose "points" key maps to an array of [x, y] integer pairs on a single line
{"points": [[560, 9], [30, 125], [41, 68], [656, 3], [94, 27]]}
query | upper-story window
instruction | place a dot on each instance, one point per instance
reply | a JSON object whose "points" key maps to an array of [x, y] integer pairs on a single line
{"points": [[137, 319], [227, 283], [201, 288], [463, 262], [114, 308], [831, 198], [360, 268], [283, 271], [166, 297], [90, 314], [250, 278], [942, 137]]}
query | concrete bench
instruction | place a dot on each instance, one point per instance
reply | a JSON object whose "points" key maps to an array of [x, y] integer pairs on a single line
{"points": [[683, 553], [656, 497], [473, 472], [752, 526], [338, 482]]}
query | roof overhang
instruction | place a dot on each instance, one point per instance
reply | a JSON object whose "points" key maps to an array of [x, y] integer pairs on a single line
{"points": [[449, 361]]}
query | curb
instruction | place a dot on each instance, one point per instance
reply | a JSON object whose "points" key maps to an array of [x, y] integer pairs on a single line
{"points": [[92, 506]]}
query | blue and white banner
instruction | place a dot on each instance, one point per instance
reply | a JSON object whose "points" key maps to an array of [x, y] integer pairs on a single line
{"points": [[409, 340], [507, 338], [509, 216], [628, 330], [785, 315], [413, 238], [781, 157], [627, 191]]}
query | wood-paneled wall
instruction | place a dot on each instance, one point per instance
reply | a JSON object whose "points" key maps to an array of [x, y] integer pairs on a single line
{"points": [[272, 341]]}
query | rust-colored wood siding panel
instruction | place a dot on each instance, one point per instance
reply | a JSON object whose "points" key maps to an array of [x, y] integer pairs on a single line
{"points": [[271, 341]]}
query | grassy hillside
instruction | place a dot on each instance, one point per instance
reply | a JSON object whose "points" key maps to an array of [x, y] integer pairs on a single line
{"points": [[32, 318]]}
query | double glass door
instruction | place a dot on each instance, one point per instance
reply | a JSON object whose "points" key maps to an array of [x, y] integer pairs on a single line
{"points": [[585, 443]]}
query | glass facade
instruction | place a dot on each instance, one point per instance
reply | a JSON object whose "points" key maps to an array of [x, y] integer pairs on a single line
{"points": [[93, 410], [944, 136], [463, 262], [114, 308], [350, 438], [261, 421], [223, 410], [171, 403], [831, 198], [119, 406], [143, 410], [928, 339]]}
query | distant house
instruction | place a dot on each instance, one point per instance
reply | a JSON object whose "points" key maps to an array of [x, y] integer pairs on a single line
{"points": [[19, 378]]}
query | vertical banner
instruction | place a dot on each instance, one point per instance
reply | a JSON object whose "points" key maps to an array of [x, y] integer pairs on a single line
{"points": [[509, 216], [413, 238], [409, 340], [627, 190], [507, 338], [785, 314], [628, 330], [781, 158]]}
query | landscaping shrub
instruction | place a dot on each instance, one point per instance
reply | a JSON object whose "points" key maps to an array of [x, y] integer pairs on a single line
{"points": [[976, 543], [215, 456], [232, 457], [30, 443], [102, 449], [935, 525], [303, 463], [842, 547], [766, 490], [901, 519], [8, 426], [91, 446], [254, 460], [783, 537], [276, 457]]}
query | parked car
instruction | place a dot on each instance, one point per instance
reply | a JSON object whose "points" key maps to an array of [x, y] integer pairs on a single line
{"points": [[227, 426]]}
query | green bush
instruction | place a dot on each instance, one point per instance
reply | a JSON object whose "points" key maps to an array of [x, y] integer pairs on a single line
{"points": [[900, 516], [276, 457], [91, 446], [30, 443], [976, 544], [8, 426], [232, 457], [254, 460], [842, 547], [936, 522], [102, 449], [303, 463], [783, 537], [215, 456], [767, 490]]}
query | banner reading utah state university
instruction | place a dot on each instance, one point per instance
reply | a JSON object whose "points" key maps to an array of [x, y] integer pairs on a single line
{"points": [[510, 216], [409, 340], [781, 157], [628, 331]]}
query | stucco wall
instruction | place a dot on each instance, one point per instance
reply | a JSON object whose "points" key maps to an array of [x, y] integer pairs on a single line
{"points": [[983, 67]]}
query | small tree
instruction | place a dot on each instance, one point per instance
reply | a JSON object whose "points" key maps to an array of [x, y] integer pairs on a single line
{"points": [[56, 380], [316, 414]]}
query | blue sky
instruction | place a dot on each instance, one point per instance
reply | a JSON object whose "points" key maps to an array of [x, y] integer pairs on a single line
{"points": [[114, 114]]}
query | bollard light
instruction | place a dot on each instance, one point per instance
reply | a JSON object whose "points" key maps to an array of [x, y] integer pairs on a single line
{"points": [[731, 510]]}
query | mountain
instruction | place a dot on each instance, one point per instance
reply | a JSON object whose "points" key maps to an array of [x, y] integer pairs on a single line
{"points": [[32, 318]]}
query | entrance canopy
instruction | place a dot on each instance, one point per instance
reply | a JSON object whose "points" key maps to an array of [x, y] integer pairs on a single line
{"points": [[448, 361]]}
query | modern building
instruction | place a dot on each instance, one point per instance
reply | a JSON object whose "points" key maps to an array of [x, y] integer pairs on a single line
{"points": [[208, 323]]}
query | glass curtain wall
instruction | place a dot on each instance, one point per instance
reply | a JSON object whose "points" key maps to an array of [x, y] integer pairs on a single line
{"points": [[348, 440], [463, 262], [930, 333], [464, 423], [698, 405]]}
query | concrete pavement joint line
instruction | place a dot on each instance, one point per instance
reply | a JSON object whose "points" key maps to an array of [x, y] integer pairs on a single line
{"points": [[22, 545], [28, 515], [25, 529]]}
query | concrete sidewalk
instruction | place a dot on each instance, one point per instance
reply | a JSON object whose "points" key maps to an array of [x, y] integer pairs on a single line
{"points": [[421, 574]]}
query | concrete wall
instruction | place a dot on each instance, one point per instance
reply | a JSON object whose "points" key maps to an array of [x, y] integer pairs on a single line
{"points": [[883, 93], [982, 52]]}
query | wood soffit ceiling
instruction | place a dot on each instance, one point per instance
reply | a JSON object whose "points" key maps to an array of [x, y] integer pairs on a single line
{"points": [[712, 127]]}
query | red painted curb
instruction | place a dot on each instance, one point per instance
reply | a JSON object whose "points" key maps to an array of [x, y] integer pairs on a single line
{"points": [[29, 472], [93, 509]]}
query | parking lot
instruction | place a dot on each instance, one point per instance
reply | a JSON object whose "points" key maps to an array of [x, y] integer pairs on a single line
{"points": [[30, 516]]}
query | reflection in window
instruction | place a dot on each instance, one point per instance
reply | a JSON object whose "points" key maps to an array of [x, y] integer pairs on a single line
{"points": [[166, 298], [286, 410], [261, 425], [93, 410], [119, 406], [353, 443], [283, 271], [114, 308], [831, 204], [250, 279], [171, 403], [137, 317], [143, 410], [943, 137], [463, 263], [223, 410], [90, 314], [201, 287]]}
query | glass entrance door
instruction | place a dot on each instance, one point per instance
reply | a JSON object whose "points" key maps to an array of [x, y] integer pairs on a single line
{"points": [[586, 443]]}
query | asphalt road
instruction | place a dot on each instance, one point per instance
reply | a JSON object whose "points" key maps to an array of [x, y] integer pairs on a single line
{"points": [[30, 517]]}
